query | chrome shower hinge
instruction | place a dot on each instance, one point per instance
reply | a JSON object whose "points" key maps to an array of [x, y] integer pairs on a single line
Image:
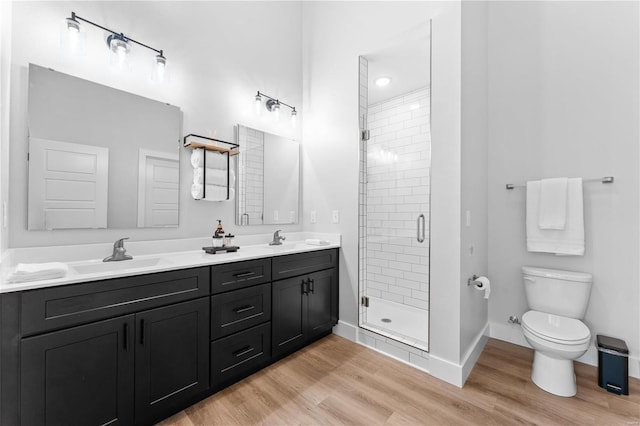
{"points": [[364, 135], [364, 301]]}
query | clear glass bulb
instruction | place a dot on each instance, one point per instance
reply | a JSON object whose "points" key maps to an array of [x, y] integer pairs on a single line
{"points": [[276, 110], [160, 68], [258, 104]]}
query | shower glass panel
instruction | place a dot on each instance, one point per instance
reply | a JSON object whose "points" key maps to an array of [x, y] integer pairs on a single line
{"points": [[395, 165]]}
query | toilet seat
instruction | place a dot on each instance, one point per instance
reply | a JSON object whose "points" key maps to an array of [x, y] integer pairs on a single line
{"points": [[555, 328]]}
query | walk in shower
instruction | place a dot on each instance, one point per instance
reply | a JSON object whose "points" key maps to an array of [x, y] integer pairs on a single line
{"points": [[395, 165]]}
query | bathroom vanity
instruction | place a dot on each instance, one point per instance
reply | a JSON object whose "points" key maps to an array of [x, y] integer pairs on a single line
{"points": [[136, 349]]}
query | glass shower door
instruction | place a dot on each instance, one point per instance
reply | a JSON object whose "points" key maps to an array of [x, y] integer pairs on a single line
{"points": [[395, 164]]}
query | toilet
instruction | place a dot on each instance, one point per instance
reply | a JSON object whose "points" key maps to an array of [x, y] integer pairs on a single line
{"points": [[557, 302]]}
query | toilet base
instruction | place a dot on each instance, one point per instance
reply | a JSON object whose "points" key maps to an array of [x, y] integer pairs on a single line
{"points": [[554, 375]]}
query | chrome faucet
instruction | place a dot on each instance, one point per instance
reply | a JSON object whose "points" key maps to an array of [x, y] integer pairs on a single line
{"points": [[277, 238], [118, 252]]}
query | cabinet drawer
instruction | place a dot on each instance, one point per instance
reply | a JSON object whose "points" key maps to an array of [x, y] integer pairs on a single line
{"points": [[240, 354], [232, 276], [59, 307], [303, 263], [237, 310]]}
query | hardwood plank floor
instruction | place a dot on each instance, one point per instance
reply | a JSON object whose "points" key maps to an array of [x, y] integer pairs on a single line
{"points": [[335, 381]]}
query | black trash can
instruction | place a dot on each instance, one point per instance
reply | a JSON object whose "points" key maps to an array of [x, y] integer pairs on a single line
{"points": [[613, 364]]}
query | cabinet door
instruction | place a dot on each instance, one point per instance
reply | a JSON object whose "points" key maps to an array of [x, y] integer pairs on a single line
{"points": [[172, 358], [79, 376], [288, 315], [322, 302]]}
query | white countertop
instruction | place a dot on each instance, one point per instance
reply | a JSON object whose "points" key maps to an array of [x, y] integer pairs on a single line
{"points": [[147, 258]]}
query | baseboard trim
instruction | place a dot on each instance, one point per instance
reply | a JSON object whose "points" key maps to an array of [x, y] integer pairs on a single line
{"points": [[512, 333], [473, 353], [448, 371]]}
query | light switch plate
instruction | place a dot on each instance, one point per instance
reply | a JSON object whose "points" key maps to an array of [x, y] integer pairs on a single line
{"points": [[275, 215], [314, 216], [335, 216]]}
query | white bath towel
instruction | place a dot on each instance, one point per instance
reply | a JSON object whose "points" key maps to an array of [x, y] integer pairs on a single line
{"points": [[213, 192], [25, 272], [215, 160], [553, 203], [214, 176], [567, 241]]}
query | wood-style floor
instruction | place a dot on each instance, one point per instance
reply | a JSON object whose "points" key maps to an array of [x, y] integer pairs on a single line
{"points": [[335, 381]]}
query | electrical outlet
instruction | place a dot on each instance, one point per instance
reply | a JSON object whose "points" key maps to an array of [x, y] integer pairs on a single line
{"points": [[314, 216], [292, 216], [275, 215], [335, 216]]}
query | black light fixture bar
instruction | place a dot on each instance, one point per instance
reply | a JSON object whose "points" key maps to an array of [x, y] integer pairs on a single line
{"points": [[75, 17], [277, 100]]}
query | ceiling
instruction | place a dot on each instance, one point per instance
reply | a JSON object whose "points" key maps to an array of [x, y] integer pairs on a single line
{"points": [[408, 65]]}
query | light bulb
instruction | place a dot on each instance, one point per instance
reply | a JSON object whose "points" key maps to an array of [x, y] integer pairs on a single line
{"points": [[119, 48], [73, 26], [160, 67], [276, 110], [258, 104], [383, 81]]}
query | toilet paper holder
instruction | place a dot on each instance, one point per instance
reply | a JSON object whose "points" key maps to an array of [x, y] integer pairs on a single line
{"points": [[472, 281]]}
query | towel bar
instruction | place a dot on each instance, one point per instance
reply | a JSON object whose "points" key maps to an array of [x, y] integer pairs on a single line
{"points": [[605, 179]]}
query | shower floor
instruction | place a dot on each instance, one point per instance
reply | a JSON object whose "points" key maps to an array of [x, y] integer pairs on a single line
{"points": [[400, 322]]}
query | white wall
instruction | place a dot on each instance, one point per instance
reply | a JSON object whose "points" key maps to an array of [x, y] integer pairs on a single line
{"points": [[563, 101], [334, 35], [5, 64], [473, 238], [219, 56]]}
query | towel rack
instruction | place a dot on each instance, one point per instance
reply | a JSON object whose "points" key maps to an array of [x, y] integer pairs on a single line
{"points": [[606, 179], [207, 146]]}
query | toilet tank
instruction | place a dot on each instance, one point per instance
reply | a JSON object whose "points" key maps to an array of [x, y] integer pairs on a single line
{"points": [[553, 291]]}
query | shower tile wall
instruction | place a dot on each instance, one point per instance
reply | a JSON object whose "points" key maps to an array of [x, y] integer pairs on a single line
{"points": [[397, 190], [250, 193]]}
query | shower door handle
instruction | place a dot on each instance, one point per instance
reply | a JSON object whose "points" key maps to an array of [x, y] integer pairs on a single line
{"points": [[420, 230]]}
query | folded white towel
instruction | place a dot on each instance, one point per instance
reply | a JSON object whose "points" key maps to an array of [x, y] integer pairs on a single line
{"points": [[316, 242], [213, 192], [553, 203], [215, 160], [214, 176], [567, 241], [24, 272]]}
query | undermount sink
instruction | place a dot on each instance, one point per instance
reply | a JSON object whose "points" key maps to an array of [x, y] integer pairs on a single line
{"points": [[97, 266]]}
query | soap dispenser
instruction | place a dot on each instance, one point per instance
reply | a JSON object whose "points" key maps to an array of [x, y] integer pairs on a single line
{"points": [[218, 235]]}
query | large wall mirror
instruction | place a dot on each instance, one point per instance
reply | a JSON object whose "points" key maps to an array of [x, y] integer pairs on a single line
{"points": [[99, 157], [268, 178]]}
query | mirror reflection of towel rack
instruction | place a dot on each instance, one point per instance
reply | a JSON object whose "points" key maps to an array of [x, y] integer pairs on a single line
{"points": [[605, 179]]}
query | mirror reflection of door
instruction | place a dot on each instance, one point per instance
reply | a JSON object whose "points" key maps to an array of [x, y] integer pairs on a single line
{"points": [[69, 184], [72, 110], [158, 189]]}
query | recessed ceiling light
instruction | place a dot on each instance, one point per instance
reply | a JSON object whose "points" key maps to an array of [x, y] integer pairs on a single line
{"points": [[383, 81]]}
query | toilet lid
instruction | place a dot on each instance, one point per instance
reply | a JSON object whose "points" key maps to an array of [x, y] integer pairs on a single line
{"points": [[555, 327]]}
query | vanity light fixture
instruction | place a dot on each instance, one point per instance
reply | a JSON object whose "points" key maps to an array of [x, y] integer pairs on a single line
{"points": [[273, 105], [120, 45], [383, 81]]}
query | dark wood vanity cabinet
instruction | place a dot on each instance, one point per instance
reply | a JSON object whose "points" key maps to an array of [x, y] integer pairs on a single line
{"points": [[171, 359], [81, 375], [138, 349], [122, 351], [304, 306]]}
